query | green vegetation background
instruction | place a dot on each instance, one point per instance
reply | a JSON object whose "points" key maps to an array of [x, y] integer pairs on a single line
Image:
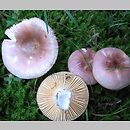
{"points": [[73, 29]]}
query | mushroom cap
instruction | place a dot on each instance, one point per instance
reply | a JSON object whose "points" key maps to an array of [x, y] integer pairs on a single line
{"points": [[62, 96], [111, 68], [31, 51], [80, 63]]}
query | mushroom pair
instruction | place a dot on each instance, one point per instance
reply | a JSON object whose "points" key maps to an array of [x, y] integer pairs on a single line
{"points": [[64, 96], [30, 52], [110, 67]]}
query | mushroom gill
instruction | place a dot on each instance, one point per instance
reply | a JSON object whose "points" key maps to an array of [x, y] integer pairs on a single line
{"points": [[62, 96]]}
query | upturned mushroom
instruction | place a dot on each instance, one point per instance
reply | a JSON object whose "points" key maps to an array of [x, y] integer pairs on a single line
{"points": [[62, 96], [111, 68], [80, 63], [31, 51]]}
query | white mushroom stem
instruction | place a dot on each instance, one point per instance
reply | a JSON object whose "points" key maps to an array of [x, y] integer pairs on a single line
{"points": [[63, 98]]}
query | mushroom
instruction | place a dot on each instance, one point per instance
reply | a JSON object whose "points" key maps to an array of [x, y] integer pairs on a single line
{"points": [[80, 63], [111, 68], [31, 51], [62, 96]]}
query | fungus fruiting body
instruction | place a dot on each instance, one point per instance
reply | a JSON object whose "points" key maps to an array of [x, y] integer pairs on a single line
{"points": [[31, 51], [111, 68], [62, 96], [80, 63]]}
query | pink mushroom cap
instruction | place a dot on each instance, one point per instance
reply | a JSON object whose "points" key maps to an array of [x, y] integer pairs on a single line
{"points": [[31, 51], [111, 68], [80, 63]]}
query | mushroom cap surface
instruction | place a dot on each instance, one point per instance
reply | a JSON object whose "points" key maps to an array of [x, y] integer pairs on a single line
{"points": [[80, 63], [31, 51], [111, 68], [62, 85]]}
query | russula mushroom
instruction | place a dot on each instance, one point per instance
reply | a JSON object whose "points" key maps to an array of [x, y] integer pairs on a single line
{"points": [[111, 68], [31, 51], [80, 63], [62, 96]]}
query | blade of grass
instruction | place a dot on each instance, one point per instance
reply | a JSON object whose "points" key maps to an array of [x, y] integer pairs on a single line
{"points": [[86, 114], [1, 76], [86, 60], [35, 84], [46, 20], [118, 24], [119, 110], [106, 115], [72, 18]]}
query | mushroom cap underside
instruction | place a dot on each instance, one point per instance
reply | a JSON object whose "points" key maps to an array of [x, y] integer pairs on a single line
{"points": [[47, 92]]}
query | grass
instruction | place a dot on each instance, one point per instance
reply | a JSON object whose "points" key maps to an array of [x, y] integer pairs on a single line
{"points": [[74, 29]]}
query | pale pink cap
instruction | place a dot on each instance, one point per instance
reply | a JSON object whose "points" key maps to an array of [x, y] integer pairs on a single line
{"points": [[111, 68], [31, 51], [80, 63]]}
